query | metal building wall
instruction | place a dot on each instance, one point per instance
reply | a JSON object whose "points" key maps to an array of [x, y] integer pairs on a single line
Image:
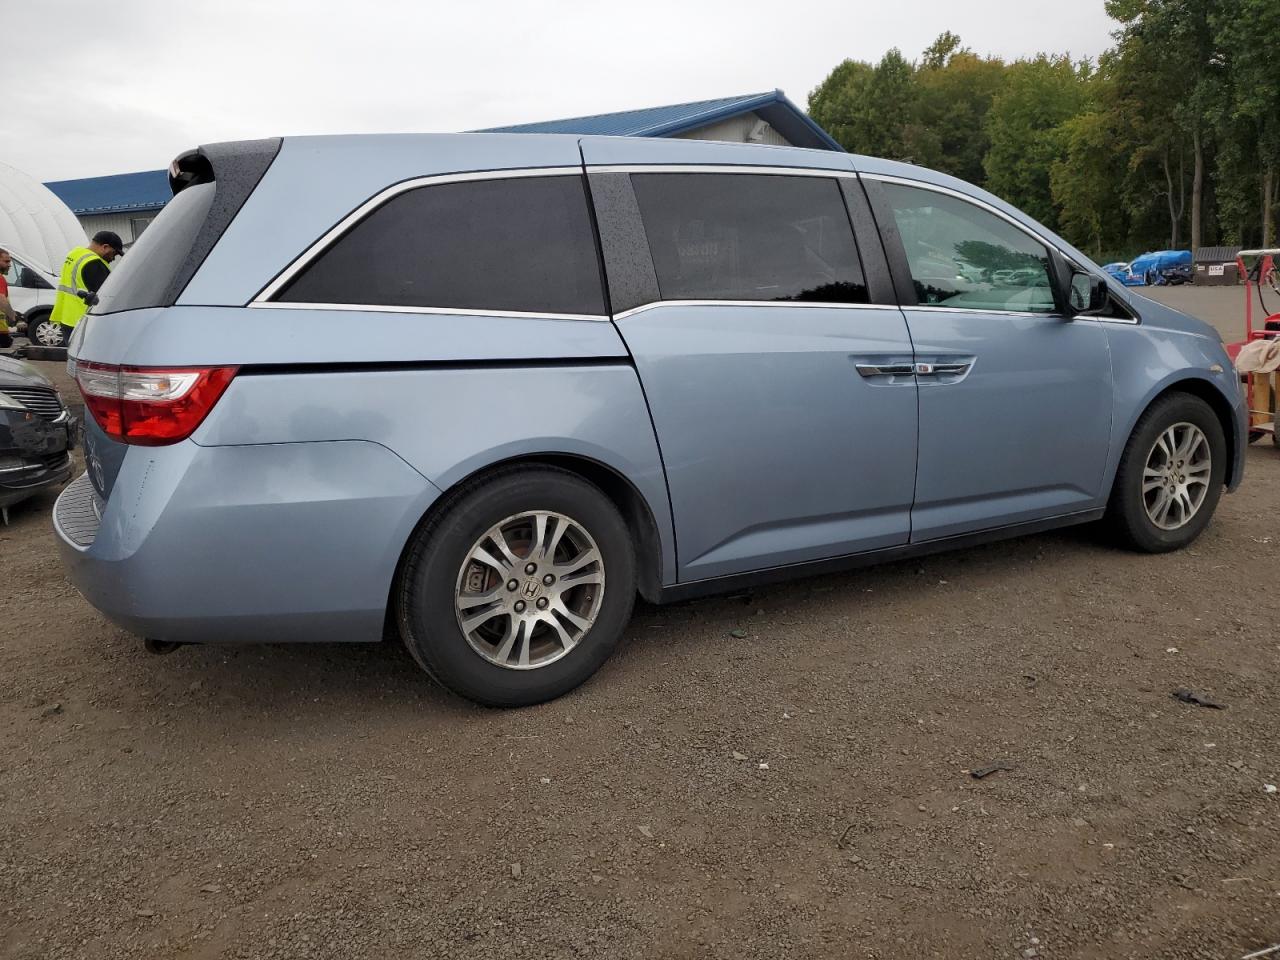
{"points": [[738, 130], [119, 222]]}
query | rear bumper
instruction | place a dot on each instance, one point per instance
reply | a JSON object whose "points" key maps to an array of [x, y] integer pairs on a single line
{"points": [[289, 542]]}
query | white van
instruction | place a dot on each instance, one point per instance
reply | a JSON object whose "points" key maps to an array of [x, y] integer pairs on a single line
{"points": [[32, 287]]}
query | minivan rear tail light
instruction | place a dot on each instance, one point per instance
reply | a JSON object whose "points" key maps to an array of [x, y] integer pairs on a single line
{"points": [[147, 405]]}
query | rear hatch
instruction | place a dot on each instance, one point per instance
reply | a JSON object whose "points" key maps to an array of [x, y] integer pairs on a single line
{"points": [[127, 406]]}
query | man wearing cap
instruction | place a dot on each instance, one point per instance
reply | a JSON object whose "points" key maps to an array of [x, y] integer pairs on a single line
{"points": [[83, 272]]}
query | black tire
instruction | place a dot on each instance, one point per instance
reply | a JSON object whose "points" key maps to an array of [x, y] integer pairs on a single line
{"points": [[1126, 511], [425, 591], [58, 334]]}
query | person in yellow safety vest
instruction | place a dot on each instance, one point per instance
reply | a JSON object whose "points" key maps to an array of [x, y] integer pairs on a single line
{"points": [[83, 272]]}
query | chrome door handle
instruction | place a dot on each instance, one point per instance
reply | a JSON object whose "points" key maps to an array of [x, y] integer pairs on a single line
{"points": [[942, 369], [884, 369]]}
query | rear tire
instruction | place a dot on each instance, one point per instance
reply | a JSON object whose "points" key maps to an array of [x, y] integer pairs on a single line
{"points": [[443, 584], [1170, 476]]}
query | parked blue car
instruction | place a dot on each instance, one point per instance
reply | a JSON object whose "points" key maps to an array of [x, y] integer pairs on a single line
{"points": [[584, 368], [1122, 273]]}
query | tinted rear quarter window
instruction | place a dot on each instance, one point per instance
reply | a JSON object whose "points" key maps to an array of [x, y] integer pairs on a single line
{"points": [[747, 236], [142, 277], [521, 244]]}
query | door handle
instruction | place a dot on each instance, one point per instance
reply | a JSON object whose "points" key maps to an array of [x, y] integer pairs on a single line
{"points": [[942, 369], [884, 369]]}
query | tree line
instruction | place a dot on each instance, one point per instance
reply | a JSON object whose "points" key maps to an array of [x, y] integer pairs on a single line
{"points": [[1170, 138]]}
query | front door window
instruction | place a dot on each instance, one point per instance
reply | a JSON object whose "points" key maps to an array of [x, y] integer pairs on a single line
{"points": [[965, 257]]}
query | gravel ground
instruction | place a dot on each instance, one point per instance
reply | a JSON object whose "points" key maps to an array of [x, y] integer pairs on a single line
{"points": [[803, 791], [1221, 306]]}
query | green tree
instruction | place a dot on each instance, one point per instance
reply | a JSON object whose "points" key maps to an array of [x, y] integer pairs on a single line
{"points": [[835, 103], [1246, 33], [932, 114], [1026, 128], [1087, 180], [868, 109], [939, 53], [1169, 74], [949, 130]]}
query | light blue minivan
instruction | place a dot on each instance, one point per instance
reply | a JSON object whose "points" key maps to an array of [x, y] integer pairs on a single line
{"points": [[477, 391]]}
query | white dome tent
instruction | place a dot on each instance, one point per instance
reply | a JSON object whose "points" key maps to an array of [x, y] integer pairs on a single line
{"points": [[35, 224]]}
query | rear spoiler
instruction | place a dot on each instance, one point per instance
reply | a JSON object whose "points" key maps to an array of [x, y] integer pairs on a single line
{"points": [[236, 167]]}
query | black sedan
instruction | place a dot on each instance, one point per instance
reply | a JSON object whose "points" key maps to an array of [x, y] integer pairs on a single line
{"points": [[37, 433]]}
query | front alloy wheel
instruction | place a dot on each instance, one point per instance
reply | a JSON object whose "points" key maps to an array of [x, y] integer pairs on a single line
{"points": [[1171, 475], [1176, 477]]}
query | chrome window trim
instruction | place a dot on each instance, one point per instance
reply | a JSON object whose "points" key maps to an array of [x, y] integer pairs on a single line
{"points": [[931, 308], [807, 304], [436, 311], [718, 168], [346, 223]]}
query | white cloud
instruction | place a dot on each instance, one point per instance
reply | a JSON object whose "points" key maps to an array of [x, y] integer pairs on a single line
{"points": [[146, 80]]}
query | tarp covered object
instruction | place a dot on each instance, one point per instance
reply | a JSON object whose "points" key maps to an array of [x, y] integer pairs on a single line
{"points": [[1168, 264], [35, 224]]}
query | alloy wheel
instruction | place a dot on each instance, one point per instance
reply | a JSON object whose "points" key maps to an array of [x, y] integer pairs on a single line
{"points": [[1176, 477], [529, 590]]}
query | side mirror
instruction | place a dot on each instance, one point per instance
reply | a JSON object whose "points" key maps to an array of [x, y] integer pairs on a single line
{"points": [[1088, 294]]}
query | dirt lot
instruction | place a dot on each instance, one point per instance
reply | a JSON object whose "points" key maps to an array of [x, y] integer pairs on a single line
{"points": [[331, 802]]}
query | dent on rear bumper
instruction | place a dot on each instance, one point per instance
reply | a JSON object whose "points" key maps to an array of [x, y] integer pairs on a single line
{"points": [[265, 542]]}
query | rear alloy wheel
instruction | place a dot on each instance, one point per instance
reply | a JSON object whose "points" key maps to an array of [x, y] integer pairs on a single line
{"points": [[1170, 476], [529, 589], [43, 332], [519, 587]]}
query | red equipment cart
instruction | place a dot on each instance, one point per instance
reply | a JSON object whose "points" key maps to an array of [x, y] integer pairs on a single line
{"points": [[1258, 269]]}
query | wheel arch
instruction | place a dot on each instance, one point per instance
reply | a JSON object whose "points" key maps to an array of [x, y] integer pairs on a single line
{"points": [[1210, 393], [636, 513], [37, 313]]}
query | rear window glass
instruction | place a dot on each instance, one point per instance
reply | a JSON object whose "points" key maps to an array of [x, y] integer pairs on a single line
{"points": [[740, 236], [141, 278], [521, 244]]}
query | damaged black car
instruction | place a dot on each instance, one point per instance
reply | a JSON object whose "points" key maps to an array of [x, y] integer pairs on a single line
{"points": [[37, 433]]}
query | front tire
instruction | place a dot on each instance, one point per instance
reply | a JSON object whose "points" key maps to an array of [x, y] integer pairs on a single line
{"points": [[43, 332], [566, 549], [1170, 476]]}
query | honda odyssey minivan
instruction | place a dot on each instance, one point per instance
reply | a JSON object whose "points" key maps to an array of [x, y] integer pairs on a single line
{"points": [[478, 391]]}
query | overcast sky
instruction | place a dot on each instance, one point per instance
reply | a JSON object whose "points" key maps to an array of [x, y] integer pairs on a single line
{"points": [[95, 88]]}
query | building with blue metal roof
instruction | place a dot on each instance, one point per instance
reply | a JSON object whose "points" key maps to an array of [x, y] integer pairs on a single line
{"points": [[127, 202], [123, 202]]}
